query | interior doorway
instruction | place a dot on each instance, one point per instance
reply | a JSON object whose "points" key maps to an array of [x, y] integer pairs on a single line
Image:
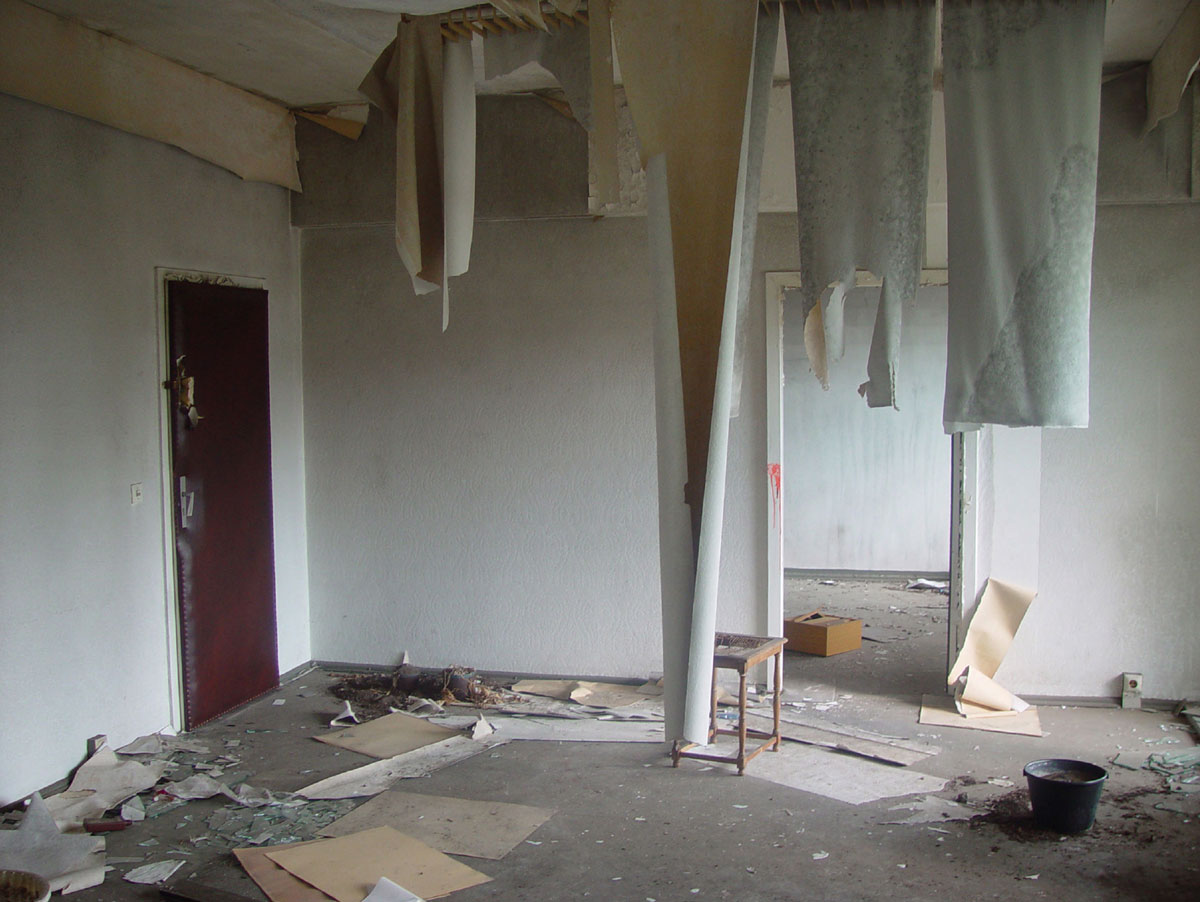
{"points": [[218, 468], [863, 500]]}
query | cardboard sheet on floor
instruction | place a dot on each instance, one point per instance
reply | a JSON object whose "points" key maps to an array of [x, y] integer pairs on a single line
{"points": [[388, 736], [374, 778], [842, 777], [584, 692], [348, 867], [69, 861], [939, 711], [456, 826], [279, 884], [560, 729]]}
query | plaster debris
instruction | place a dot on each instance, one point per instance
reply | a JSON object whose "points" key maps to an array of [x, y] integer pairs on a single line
{"points": [[929, 584], [932, 809], [156, 872]]}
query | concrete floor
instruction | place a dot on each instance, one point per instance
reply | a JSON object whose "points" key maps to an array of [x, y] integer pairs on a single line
{"points": [[629, 827]]}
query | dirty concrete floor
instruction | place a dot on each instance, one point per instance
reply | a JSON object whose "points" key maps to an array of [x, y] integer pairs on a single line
{"points": [[629, 827]]}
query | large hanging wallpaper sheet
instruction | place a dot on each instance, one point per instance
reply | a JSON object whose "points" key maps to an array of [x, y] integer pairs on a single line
{"points": [[861, 85], [1022, 82], [428, 89]]}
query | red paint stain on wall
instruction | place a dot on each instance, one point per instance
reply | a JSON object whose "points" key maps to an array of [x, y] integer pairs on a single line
{"points": [[775, 478]]}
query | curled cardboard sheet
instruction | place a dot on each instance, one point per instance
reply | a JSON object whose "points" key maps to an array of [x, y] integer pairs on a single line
{"points": [[976, 695], [989, 636], [992, 628]]}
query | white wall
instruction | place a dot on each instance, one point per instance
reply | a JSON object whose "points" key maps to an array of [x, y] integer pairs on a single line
{"points": [[1120, 500], [88, 213], [867, 489], [485, 496]]}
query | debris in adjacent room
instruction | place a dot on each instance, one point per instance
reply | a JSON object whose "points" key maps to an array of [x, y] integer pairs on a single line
{"points": [[842, 777], [931, 810], [101, 783], [156, 872], [388, 736], [935, 585], [939, 711], [882, 634], [336, 866], [374, 778], [455, 826], [68, 861]]}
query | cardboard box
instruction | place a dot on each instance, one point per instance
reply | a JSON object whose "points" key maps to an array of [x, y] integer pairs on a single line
{"points": [[821, 634]]}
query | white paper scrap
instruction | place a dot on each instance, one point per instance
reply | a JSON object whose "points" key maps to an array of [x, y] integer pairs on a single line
{"points": [[347, 716], [387, 891], [154, 873], [481, 729], [134, 810]]}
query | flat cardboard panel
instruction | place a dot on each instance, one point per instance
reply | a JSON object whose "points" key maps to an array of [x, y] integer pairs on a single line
{"points": [[278, 884], [457, 826], [348, 867], [388, 736]]}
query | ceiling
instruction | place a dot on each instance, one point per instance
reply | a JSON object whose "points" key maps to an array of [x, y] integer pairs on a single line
{"points": [[305, 53]]}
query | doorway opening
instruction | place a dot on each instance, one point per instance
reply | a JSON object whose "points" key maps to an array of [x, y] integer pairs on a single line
{"points": [[862, 499]]}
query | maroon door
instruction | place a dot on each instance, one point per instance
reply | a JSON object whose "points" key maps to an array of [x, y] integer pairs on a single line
{"points": [[221, 463]]}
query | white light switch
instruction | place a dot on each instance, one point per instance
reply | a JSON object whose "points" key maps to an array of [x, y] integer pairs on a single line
{"points": [[135, 493]]}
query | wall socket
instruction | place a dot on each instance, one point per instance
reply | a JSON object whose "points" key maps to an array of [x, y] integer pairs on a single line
{"points": [[1131, 690], [135, 494]]}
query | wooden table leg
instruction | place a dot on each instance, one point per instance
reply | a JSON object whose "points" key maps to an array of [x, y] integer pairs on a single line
{"points": [[778, 694], [741, 723], [712, 708]]}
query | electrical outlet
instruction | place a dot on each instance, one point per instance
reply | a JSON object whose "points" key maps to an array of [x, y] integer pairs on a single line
{"points": [[135, 493], [1131, 690]]}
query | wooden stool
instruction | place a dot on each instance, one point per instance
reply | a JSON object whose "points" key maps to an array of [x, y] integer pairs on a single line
{"points": [[734, 651]]}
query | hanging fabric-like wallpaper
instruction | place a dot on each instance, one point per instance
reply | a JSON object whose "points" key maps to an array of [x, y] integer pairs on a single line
{"points": [[861, 85], [1022, 134]]}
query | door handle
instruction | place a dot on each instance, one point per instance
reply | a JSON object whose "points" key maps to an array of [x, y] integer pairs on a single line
{"points": [[187, 502]]}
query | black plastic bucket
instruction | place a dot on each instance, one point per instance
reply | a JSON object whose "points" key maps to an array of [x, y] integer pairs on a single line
{"points": [[1064, 793]]}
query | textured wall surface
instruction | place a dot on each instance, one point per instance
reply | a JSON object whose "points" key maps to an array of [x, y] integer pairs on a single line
{"points": [[88, 213], [867, 489], [1120, 509], [487, 496]]}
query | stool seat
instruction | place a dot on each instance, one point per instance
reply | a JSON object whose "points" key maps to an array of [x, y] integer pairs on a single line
{"points": [[739, 652]]}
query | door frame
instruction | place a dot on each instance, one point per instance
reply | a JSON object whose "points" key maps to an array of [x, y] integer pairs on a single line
{"points": [[962, 560], [162, 276]]}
